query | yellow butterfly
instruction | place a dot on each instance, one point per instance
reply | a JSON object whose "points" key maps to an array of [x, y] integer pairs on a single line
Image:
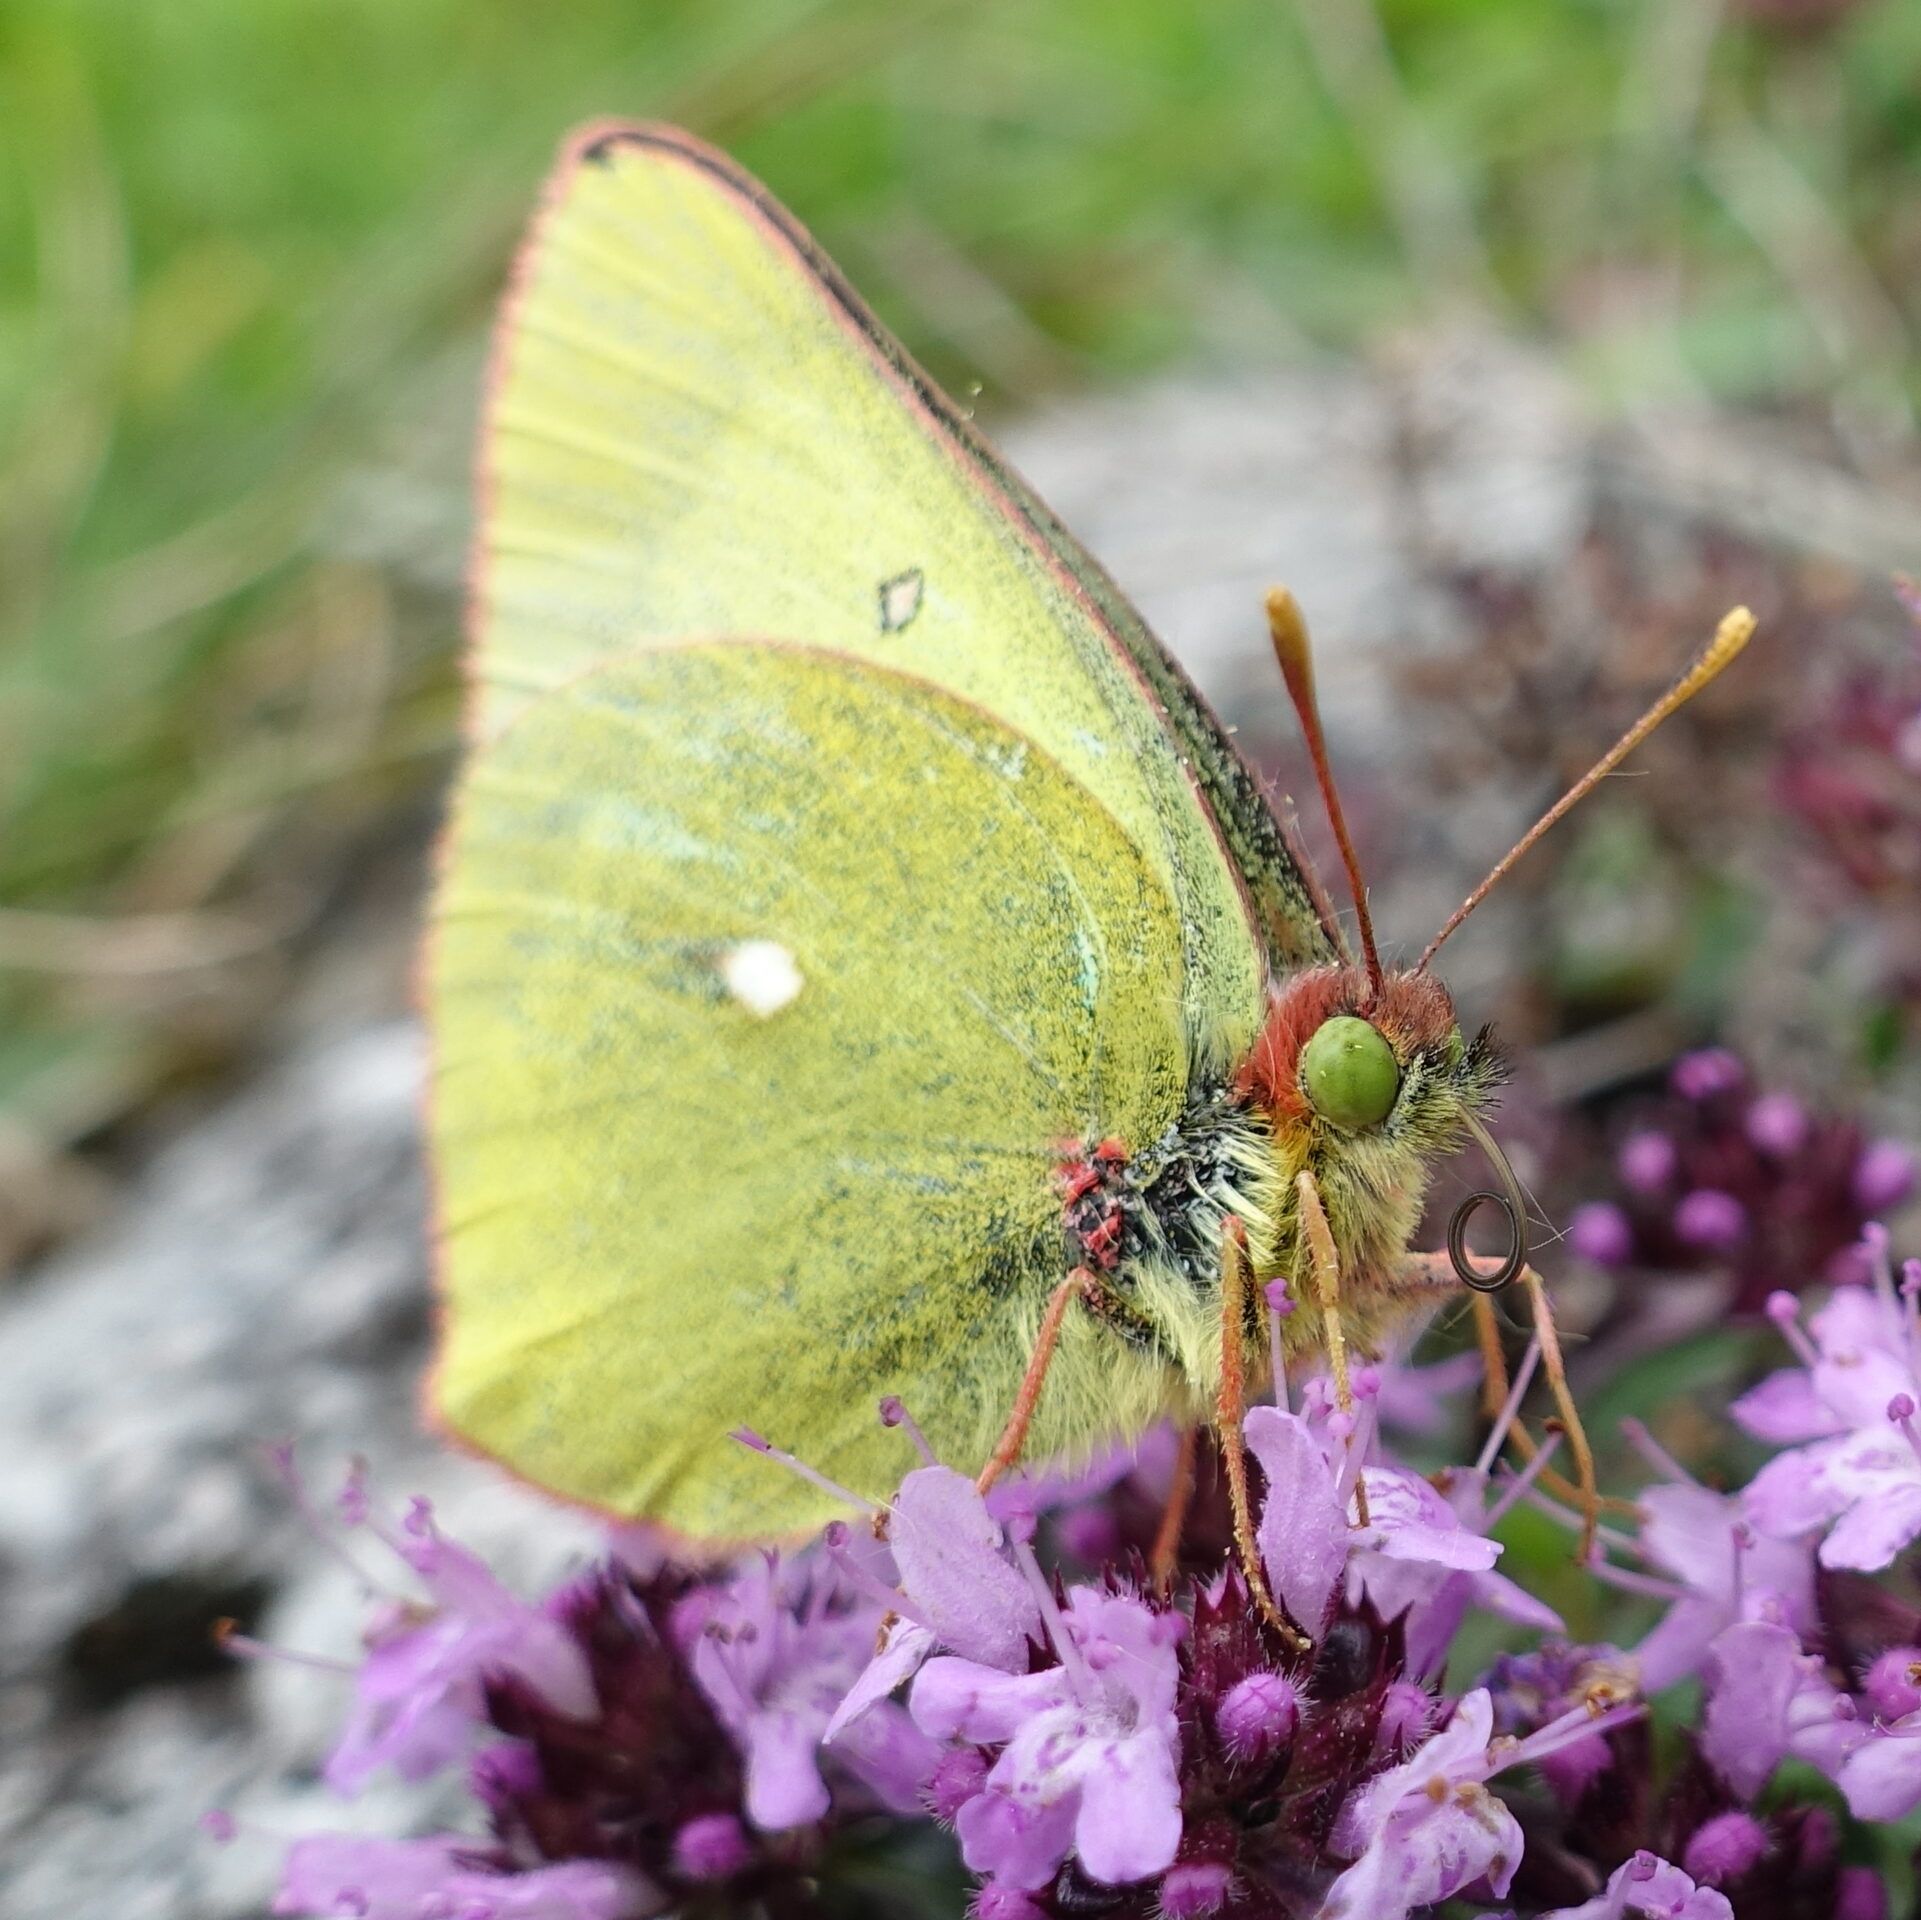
{"points": [[860, 964]]}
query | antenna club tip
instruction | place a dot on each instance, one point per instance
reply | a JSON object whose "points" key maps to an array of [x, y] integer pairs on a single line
{"points": [[1735, 631], [1284, 622]]}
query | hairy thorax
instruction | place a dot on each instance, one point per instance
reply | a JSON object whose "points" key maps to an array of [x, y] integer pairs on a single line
{"points": [[1148, 1222]]}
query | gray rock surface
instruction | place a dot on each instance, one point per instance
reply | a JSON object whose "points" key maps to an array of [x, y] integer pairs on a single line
{"points": [[266, 1275]]}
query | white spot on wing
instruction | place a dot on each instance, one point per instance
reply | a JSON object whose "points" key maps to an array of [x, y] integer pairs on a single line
{"points": [[761, 975]]}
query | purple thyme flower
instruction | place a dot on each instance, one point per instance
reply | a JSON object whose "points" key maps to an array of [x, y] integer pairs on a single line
{"points": [[1600, 1231], [1090, 1747], [775, 1650], [1726, 1847], [1725, 1571], [1302, 1537], [1853, 775], [1708, 1073], [1889, 1686], [1881, 1774], [1648, 1888], [1530, 1690], [1429, 1829], [1853, 1405], [1766, 1699], [1724, 1176], [418, 1694], [959, 1589], [1422, 1555], [1407, 1398], [679, 1775], [407, 1879]]}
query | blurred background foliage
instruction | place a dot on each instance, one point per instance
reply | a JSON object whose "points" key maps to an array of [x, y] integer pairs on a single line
{"points": [[248, 249]]}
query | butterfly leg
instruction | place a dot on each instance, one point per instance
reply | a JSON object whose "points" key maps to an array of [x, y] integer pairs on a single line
{"points": [[1435, 1270], [1166, 1551], [1079, 1285], [1325, 1262], [1231, 1411], [1327, 1285], [1551, 1364]]}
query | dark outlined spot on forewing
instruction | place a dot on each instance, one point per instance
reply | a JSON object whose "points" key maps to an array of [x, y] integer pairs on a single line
{"points": [[900, 599]]}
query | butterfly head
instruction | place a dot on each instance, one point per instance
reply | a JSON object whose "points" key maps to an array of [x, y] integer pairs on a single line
{"points": [[1366, 1087], [1348, 1064]]}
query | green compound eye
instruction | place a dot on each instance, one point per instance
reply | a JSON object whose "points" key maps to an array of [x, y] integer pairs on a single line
{"points": [[1350, 1072]]}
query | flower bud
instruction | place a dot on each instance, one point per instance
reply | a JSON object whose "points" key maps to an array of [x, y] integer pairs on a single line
{"points": [[1647, 1161], [1890, 1683], [1710, 1219], [711, 1846], [1091, 1532], [1778, 1125], [1723, 1849], [1601, 1232], [1195, 1889], [1258, 1715], [1883, 1176], [1701, 1075], [1860, 1894], [958, 1775], [1405, 1715]]}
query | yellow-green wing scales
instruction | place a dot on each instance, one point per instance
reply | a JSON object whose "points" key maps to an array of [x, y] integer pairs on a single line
{"points": [[699, 431], [676, 1197]]}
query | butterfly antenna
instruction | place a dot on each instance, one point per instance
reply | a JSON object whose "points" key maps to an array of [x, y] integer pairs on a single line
{"points": [[1734, 632], [1291, 649]]}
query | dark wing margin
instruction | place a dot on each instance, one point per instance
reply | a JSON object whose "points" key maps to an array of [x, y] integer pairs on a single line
{"points": [[1293, 924]]}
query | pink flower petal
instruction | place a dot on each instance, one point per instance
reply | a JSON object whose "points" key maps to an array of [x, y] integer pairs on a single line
{"points": [[401, 1879], [1677, 1646], [1020, 1844], [784, 1787], [963, 1700], [1495, 1593], [948, 1549], [891, 1756], [1871, 1533], [1790, 1496], [1409, 1520], [1690, 1531], [907, 1646], [1302, 1537], [1858, 1385], [1423, 1831], [1648, 1888], [1129, 1826], [1882, 1777], [1753, 1671], [1785, 1410]]}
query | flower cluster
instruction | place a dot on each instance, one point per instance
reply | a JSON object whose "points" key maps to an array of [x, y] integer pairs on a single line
{"points": [[1800, 1657], [636, 1743], [1213, 1751], [1728, 1176], [1282, 1740]]}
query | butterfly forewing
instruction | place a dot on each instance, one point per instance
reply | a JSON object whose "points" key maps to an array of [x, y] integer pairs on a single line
{"points": [[697, 429]]}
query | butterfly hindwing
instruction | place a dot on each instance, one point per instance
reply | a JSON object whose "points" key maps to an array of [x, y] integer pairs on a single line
{"points": [[766, 985]]}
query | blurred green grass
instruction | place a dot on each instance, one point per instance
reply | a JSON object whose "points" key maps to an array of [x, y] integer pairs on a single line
{"points": [[248, 249]]}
